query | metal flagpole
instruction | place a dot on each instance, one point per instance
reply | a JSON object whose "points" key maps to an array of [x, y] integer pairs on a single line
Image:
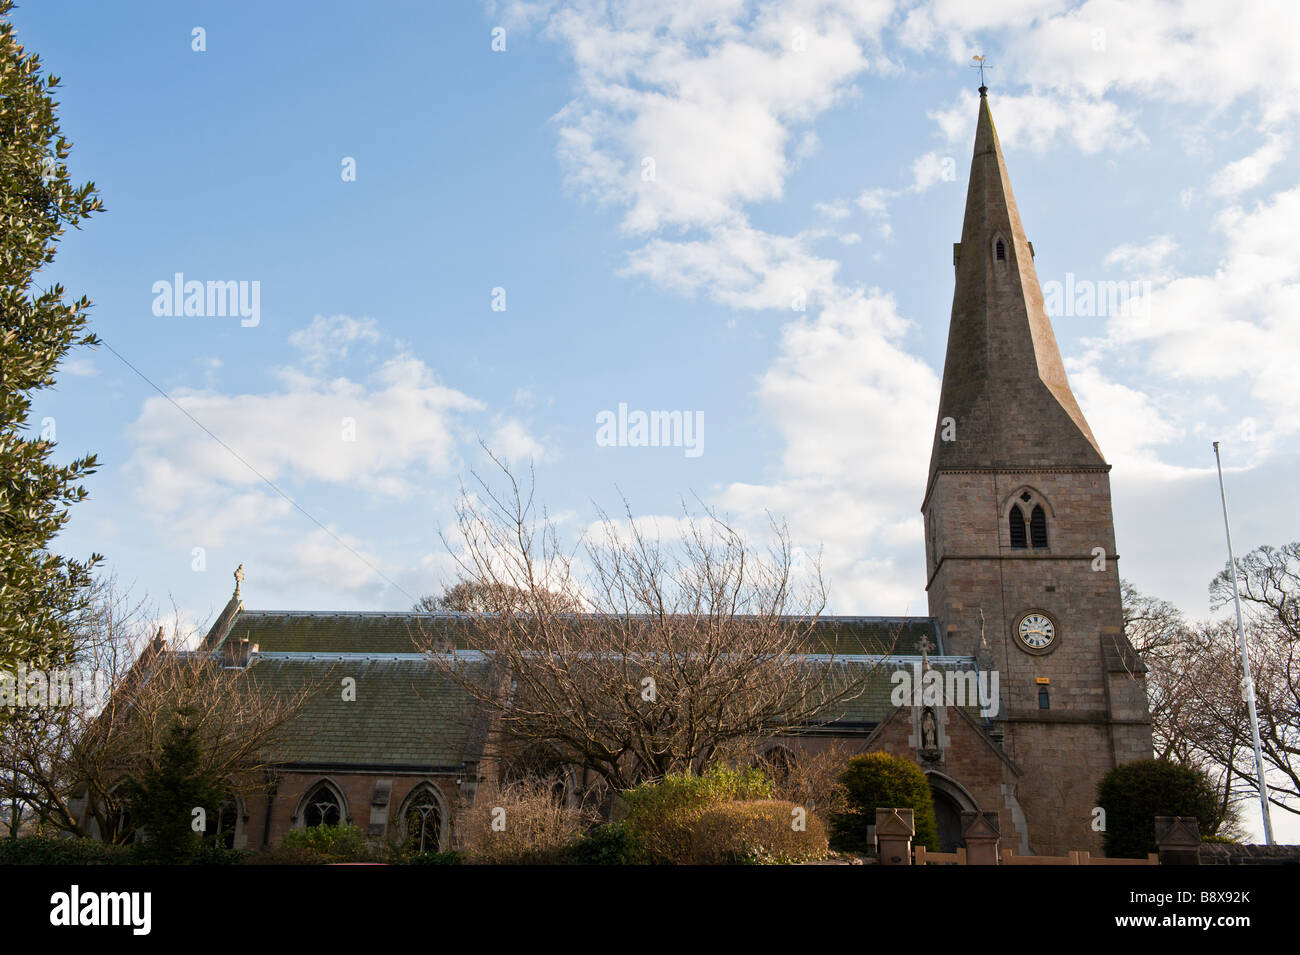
{"points": [[1249, 693]]}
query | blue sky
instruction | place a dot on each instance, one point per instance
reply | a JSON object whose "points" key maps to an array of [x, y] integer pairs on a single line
{"points": [[814, 145]]}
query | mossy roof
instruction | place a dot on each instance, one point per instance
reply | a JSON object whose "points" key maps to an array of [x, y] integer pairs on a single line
{"points": [[322, 633], [410, 713], [405, 712]]}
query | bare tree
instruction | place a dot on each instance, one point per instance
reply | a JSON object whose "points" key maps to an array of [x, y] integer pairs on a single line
{"points": [[1195, 680], [678, 654], [65, 764], [1269, 583], [467, 596]]}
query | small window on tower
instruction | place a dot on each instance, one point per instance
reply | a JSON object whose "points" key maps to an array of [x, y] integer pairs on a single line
{"points": [[1018, 527], [1001, 251], [1044, 701], [1038, 526]]}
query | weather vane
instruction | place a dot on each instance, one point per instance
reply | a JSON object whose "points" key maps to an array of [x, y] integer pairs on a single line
{"points": [[980, 65]]}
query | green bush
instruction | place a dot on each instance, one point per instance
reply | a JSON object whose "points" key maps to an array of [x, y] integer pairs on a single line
{"points": [[61, 850], [610, 844], [1134, 794], [327, 844], [429, 858], [220, 855], [660, 814], [755, 832], [882, 781]]}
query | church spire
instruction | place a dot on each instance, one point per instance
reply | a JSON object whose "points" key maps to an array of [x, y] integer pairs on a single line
{"points": [[1005, 403]]}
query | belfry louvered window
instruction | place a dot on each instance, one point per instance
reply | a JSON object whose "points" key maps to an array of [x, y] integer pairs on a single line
{"points": [[1038, 527], [1000, 251], [1018, 538]]}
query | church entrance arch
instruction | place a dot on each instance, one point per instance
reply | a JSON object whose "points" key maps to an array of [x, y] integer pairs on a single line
{"points": [[950, 800]]}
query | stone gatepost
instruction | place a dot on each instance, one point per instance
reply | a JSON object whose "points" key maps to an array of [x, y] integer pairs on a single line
{"points": [[1179, 840], [981, 831], [894, 831]]}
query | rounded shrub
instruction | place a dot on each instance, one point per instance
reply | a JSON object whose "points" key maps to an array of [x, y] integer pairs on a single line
{"points": [[610, 844], [883, 781], [1134, 794], [326, 844], [756, 832], [660, 814], [61, 850]]}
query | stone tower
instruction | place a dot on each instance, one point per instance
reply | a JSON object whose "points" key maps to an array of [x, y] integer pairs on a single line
{"points": [[1018, 525]]}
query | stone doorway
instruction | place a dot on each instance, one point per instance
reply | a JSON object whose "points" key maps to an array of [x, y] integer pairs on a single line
{"points": [[947, 815]]}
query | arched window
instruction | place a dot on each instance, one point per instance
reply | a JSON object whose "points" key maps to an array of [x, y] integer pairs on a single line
{"points": [[1037, 527], [1000, 251], [1018, 539], [539, 765], [119, 829], [322, 807], [221, 825], [776, 764], [422, 820]]}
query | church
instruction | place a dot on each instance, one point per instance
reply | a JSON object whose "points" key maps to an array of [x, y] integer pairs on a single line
{"points": [[1024, 597]]}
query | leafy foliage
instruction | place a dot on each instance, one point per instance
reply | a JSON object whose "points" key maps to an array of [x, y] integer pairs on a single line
{"points": [[610, 844], [883, 781], [660, 815], [164, 798], [39, 591], [1135, 793], [755, 832], [342, 843], [57, 850]]}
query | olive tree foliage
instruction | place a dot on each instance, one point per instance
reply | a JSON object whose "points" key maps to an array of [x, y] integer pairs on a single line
{"points": [[40, 591], [631, 654]]}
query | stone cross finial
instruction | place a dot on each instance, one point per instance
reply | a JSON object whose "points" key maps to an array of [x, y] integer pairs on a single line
{"points": [[239, 578], [925, 645]]}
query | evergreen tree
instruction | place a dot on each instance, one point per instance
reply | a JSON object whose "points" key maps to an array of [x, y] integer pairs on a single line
{"points": [[883, 781], [39, 591], [163, 800]]}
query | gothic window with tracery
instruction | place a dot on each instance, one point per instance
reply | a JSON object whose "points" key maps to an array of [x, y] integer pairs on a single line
{"points": [[221, 825], [322, 807], [423, 819]]}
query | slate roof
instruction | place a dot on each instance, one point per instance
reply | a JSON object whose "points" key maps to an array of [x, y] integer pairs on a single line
{"points": [[291, 632], [873, 700], [408, 714]]}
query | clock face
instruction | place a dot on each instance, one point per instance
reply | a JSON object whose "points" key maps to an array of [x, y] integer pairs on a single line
{"points": [[1036, 630]]}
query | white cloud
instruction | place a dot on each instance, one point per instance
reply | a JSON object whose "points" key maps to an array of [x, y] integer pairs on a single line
{"points": [[81, 367], [1248, 172], [317, 438], [682, 116], [330, 339], [739, 266], [1035, 121], [1148, 259]]}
